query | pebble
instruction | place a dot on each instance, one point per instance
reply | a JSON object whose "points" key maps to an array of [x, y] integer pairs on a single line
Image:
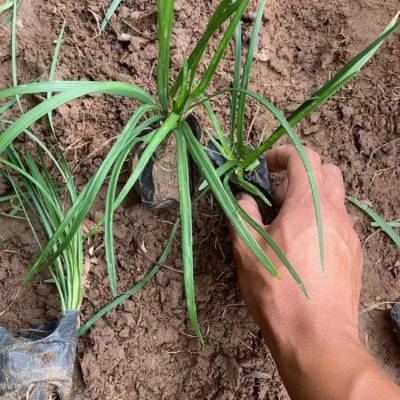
{"points": [[259, 375], [310, 130], [250, 16], [124, 37], [124, 333], [314, 117]]}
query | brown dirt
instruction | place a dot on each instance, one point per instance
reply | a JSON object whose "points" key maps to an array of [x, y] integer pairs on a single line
{"points": [[145, 349]]}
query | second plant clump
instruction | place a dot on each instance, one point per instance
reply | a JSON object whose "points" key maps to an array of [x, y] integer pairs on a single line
{"points": [[157, 118]]}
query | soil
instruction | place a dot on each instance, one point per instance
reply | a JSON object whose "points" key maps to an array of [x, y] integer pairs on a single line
{"points": [[145, 349]]}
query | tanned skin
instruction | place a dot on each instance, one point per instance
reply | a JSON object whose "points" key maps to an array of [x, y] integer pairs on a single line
{"points": [[315, 341]]}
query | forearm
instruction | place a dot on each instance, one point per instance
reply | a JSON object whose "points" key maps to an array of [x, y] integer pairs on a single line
{"points": [[331, 370]]}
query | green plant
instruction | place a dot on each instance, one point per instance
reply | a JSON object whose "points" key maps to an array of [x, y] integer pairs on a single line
{"points": [[379, 222], [42, 202], [5, 6], [165, 116]]}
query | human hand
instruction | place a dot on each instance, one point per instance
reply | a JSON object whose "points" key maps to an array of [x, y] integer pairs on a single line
{"points": [[279, 306], [313, 341]]}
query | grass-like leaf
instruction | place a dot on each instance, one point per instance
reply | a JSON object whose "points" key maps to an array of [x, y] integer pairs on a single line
{"points": [[392, 224], [378, 219], [14, 49], [116, 88], [110, 12], [36, 190], [53, 70], [221, 49], [300, 150], [244, 84], [165, 18], [110, 205], [223, 11], [236, 81], [266, 237], [4, 7], [83, 202], [186, 229], [214, 182]]}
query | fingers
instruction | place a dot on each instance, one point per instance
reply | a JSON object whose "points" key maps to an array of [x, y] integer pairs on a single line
{"points": [[329, 177], [249, 205], [332, 183], [286, 158]]}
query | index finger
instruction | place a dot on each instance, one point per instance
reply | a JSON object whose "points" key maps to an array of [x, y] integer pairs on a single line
{"points": [[286, 158]]}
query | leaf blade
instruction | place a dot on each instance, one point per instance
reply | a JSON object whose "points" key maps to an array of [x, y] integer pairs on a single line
{"points": [[186, 229], [377, 218]]}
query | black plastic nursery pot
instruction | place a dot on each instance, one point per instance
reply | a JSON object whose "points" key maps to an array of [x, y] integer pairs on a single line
{"points": [[395, 315], [158, 185], [38, 364]]}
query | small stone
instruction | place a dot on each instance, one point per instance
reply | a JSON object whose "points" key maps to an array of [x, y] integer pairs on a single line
{"points": [[310, 130], [124, 333], [250, 16], [137, 43], [291, 107], [378, 298], [314, 117], [124, 37], [127, 319], [162, 296], [259, 375], [397, 264], [129, 306]]}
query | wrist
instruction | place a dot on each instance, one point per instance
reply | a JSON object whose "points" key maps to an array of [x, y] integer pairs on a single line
{"points": [[329, 365]]}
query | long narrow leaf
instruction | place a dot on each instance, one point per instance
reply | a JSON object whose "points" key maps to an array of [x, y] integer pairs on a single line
{"points": [[116, 88], [14, 49], [236, 80], [220, 49], [302, 154], [165, 18], [110, 12], [267, 238], [53, 69], [377, 218], [79, 209], [244, 84], [208, 171], [223, 11], [186, 227], [108, 216]]}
